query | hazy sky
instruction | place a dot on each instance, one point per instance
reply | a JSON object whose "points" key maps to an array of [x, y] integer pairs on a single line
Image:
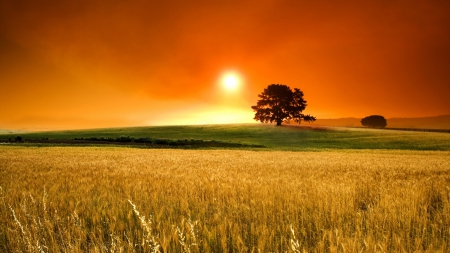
{"points": [[100, 63]]}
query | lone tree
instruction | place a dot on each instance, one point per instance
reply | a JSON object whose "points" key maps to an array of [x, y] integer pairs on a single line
{"points": [[374, 121], [279, 104]]}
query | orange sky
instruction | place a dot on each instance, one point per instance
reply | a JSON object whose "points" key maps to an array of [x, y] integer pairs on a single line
{"points": [[94, 63]]}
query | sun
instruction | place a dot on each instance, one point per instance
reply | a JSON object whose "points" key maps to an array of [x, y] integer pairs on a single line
{"points": [[230, 81]]}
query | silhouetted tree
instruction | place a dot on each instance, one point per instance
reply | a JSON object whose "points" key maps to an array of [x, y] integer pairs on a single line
{"points": [[279, 104], [374, 121]]}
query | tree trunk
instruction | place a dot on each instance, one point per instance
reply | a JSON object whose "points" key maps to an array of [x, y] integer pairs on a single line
{"points": [[279, 122]]}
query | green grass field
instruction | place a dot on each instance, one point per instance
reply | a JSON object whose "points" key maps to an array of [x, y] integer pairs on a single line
{"points": [[288, 137]]}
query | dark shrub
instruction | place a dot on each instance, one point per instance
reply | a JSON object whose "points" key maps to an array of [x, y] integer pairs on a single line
{"points": [[161, 141], [374, 121], [143, 140], [124, 139]]}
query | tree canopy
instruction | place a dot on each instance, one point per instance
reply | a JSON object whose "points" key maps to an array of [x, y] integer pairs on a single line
{"points": [[278, 103], [374, 121]]}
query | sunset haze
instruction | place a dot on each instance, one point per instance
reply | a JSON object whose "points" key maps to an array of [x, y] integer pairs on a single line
{"points": [[85, 64]]}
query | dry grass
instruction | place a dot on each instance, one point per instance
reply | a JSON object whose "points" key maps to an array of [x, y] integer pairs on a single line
{"points": [[132, 200]]}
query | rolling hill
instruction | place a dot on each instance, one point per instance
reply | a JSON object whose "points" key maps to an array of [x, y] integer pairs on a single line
{"points": [[434, 122], [286, 137]]}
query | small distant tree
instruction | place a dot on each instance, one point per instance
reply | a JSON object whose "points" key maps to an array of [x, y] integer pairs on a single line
{"points": [[278, 103], [374, 121]]}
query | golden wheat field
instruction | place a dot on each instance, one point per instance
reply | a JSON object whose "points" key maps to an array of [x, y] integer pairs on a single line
{"points": [[91, 199]]}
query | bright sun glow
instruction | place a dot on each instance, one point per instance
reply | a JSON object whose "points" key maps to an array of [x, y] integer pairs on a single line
{"points": [[230, 81]]}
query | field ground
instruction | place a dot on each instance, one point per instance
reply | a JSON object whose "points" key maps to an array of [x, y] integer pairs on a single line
{"points": [[110, 199], [309, 190], [288, 137]]}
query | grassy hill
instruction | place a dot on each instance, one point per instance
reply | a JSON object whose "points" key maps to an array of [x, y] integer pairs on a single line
{"points": [[286, 137], [435, 122]]}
